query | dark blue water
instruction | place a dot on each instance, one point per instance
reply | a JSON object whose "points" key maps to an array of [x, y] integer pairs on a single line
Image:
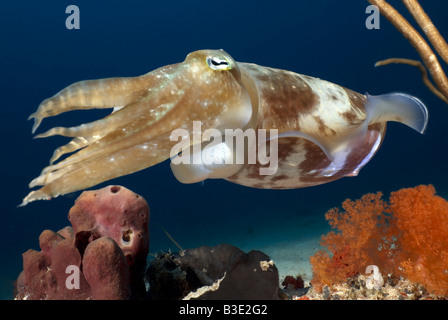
{"points": [[326, 39]]}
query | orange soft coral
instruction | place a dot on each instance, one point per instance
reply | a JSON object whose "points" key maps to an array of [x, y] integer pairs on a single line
{"points": [[356, 231], [422, 219], [407, 238]]}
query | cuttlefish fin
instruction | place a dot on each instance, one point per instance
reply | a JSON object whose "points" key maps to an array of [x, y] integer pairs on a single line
{"points": [[398, 107]]}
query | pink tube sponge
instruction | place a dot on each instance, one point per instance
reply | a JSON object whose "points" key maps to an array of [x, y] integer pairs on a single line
{"points": [[102, 257], [106, 270], [44, 273], [116, 212]]}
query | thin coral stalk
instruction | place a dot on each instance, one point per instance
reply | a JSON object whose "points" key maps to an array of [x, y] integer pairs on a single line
{"points": [[422, 69], [428, 28], [417, 41]]}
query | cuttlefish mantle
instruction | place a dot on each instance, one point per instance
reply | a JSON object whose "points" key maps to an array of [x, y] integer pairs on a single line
{"points": [[323, 131]]}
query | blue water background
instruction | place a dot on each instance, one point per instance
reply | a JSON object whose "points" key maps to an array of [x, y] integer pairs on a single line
{"points": [[327, 39]]}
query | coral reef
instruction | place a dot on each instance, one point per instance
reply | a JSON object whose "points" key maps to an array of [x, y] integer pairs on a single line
{"points": [[356, 288], [102, 257], [407, 237], [220, 272]]}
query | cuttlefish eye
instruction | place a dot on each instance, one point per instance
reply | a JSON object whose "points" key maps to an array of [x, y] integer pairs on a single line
{"points": [[216, 63]]}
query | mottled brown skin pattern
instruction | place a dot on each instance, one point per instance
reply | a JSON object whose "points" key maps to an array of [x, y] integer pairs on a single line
{"points": [[282, 109], [307, 173]]}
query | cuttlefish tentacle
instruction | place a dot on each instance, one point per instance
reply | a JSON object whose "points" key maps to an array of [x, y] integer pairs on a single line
{"points": [[112, 151], [69, 179], [94, 137], [142, 137], [125, 118], [120, 139], [97, 94], [323, 131], [120, 118], [75, 144], [139, 130]]}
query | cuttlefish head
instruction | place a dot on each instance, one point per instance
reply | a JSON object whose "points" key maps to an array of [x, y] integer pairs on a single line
{"points": [[211, 81], [220, 102], [206, 88]]}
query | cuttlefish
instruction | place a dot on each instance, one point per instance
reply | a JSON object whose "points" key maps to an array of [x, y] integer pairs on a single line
{"points": [[321, 131]]}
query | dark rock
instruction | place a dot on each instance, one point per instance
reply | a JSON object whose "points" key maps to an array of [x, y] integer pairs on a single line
{"points": [[220, 272]]}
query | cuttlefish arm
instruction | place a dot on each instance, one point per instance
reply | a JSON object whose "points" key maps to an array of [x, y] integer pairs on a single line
{"points": [[98, 94], [205, 87]]}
